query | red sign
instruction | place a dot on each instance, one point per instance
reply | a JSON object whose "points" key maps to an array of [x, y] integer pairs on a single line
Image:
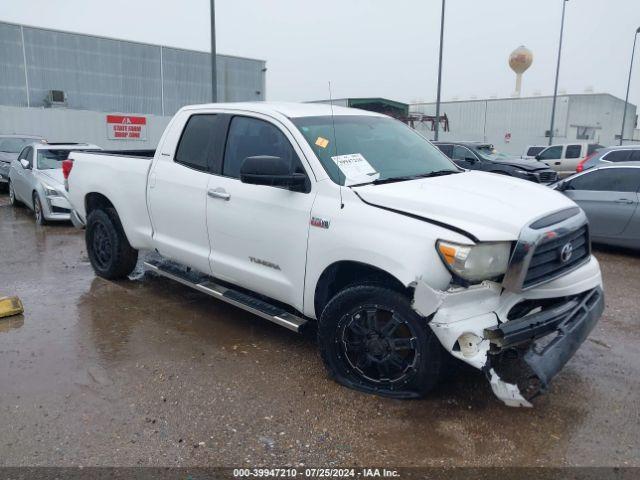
{"points": [[507, 137], [126, 127]]}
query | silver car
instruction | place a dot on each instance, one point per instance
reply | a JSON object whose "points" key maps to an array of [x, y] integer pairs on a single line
{"points": [[36, 180], [10, 147], [604, 156], [609, 195]]}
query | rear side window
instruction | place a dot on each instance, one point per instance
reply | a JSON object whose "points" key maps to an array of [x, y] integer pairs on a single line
{"points": [[446, 149], [635, 156], [533, 151], [573, 151], [608, 180], [249, 137], [197, 142], [551, 153], [617, 156]]}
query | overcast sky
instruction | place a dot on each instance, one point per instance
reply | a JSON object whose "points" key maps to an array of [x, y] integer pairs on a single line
{"points": [[385, 48]]}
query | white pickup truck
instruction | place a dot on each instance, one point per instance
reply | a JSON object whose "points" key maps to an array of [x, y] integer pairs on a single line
{"points": [[303, 214]]}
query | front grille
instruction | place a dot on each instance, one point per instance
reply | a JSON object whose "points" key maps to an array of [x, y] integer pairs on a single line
{"points": [[55, 209], [546, 262], [547, 177]]}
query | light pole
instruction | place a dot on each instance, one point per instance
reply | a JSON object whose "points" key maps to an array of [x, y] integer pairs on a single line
{"points": [[555, 88], [626, 99], [214, 70], [437, 123]]}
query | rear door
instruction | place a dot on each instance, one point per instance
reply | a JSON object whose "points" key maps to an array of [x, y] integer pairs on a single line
{"points": [[571, 157], [259, 233], [608, 196], [177, 190]]}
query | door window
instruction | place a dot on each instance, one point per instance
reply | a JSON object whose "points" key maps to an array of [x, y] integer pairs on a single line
{"points": [[635, 156], [463, 154], [608, 180], [573, 151], [551, 153], [249, 137], [197, 141], [617, 156], [27, 154]]}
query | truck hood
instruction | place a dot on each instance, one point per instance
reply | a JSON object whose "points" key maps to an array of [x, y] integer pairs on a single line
{"points": [[488, 206], [8, 157], [53, 177], [524, 164]]}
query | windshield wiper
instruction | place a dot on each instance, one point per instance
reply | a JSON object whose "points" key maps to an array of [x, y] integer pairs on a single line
{"points": [[436, 173]]}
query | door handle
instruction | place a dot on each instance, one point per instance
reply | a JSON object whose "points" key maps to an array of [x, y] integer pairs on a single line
{"points": [[626, 201], [221, 194]]}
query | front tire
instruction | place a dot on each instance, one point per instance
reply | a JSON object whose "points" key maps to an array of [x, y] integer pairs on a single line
{"points": [[372, 340], [37, 210], [110, 253]]}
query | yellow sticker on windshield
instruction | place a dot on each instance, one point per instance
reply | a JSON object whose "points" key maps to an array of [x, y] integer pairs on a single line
{"points": [[322, 142]]}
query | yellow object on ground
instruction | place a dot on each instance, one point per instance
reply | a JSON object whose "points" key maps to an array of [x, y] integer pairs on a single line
{"points": [[10, 306]]}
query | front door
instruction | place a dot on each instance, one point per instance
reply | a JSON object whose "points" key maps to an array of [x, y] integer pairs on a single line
{"points": [[608, 196], [21, 177], [552, 157], [259, 233], [177, 193]]}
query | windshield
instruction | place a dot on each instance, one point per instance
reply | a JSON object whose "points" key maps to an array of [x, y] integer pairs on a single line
{"points": [[52, 159], [14, 145], [367, 149]]}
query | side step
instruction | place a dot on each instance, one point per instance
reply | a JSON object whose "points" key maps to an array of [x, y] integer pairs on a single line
{"points": [[205, 284]]}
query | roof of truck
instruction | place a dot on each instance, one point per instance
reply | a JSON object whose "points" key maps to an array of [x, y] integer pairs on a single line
{"points": [[291, 110]]}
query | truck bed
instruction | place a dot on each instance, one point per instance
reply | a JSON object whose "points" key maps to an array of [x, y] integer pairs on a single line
{"points": [[121, 177]]}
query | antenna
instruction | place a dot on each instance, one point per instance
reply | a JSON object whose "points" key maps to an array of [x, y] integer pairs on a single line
{"points": [[335, 140]]}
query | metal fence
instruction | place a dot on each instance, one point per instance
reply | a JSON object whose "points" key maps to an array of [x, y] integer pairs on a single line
{"points": [[111, 75]]}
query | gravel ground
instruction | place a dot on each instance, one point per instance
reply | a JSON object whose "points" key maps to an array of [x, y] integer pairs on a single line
{"points": [[148, 372]]}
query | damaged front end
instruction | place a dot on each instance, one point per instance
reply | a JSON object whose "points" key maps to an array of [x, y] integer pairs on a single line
{"points": [[519, 340]]}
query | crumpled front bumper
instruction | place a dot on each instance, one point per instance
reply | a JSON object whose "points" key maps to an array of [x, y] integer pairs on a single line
{"points": [[518, 353]]}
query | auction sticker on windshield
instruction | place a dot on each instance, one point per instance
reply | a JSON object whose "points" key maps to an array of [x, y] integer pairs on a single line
{"points": [[355, 168]]}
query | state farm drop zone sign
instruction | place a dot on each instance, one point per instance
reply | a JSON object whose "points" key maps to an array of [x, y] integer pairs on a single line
{"points": [[126, 127]]}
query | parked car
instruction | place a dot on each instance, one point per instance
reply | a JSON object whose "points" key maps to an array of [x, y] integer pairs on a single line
{"points": [[564, 158], [626, 153], [484, 157], [609, 195], [532, 150], [397, 254], [10, 148], [36, 180]]}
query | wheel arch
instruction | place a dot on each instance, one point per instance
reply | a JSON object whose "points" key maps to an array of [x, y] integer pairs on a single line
{"points": [[342, 273], [95, 200]]}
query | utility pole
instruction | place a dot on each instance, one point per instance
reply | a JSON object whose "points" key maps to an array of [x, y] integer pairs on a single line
{"points": [[214, 69], [437, 123], [555, 88], [626, 99]]}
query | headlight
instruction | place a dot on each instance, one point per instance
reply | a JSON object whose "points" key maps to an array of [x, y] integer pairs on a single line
{"points": [[50, 191], [523, 172], [475, 263]]}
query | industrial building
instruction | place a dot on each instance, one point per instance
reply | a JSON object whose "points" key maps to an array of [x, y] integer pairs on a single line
{"points": [[74, 87], [511, 124]]}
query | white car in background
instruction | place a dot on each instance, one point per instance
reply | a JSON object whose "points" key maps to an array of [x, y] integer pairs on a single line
{"points": [[531, 151], [564, 158], [36, 179]]}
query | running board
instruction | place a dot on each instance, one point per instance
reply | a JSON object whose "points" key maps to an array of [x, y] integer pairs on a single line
{"points": [[205, 284]]}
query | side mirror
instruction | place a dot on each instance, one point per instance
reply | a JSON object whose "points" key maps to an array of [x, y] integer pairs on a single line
{"points": [[25, 163], [538, 157], [271, 171], [471, 159], [563, 185]]}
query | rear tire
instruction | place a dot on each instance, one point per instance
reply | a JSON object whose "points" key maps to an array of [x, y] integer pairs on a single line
{"points": [[110, 253], [13, 200], [372, 340]]}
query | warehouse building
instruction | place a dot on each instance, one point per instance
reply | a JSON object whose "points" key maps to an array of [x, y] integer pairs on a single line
{"points": [[511, 124], [73, 87]]}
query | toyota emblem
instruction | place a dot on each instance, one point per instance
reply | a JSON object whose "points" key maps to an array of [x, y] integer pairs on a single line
{"points": [[566, 252]]}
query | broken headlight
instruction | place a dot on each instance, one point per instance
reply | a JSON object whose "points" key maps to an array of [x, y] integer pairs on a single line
{"points": [[475, 263]]}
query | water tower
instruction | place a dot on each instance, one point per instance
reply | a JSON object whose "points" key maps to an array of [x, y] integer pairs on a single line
{"points": [[519, 61]]}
